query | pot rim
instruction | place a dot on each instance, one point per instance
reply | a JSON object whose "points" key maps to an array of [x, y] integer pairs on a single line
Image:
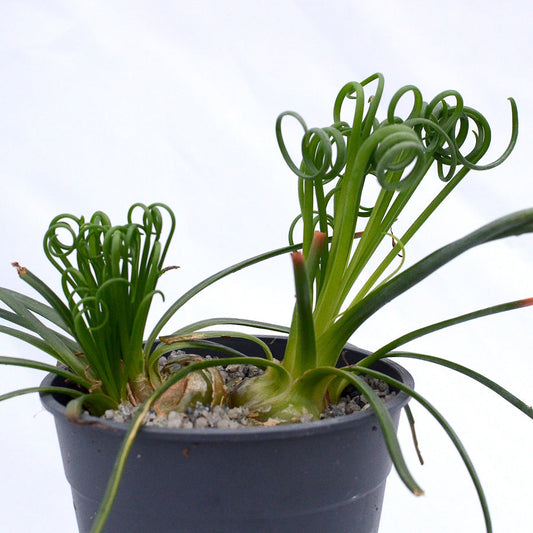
{"points": [[345, 422]]}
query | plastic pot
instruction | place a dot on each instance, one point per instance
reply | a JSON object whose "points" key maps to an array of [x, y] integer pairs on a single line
{"points": [[326, 476]]}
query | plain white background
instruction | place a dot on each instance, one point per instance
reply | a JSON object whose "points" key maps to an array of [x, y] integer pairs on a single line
{"points": [[103, 104]]}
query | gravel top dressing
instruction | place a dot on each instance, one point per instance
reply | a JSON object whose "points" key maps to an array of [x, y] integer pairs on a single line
{"points": [[224, 417]]}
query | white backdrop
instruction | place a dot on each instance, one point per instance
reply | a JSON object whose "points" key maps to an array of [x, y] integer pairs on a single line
{"points": [[103, 104]]}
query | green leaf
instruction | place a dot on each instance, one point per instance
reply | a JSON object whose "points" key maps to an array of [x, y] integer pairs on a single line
{"points": [[37, 365], [514, 224], [182, 300], [209, 322], [385, 421], [63, 353], [303, 354], [138, 417], [50, 296], [498, 389], [41, 309], [449, 431], [500, 308], [174, 342], [41, 390], [34, 341]]}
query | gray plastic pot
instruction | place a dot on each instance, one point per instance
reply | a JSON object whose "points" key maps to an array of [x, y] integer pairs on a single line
{"points": [[326, 476]]}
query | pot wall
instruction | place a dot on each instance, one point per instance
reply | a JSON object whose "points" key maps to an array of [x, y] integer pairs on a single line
{"points": [[326, 476]]}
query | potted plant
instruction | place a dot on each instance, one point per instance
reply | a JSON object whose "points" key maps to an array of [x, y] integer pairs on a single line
{"points": [[344, 271]]}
